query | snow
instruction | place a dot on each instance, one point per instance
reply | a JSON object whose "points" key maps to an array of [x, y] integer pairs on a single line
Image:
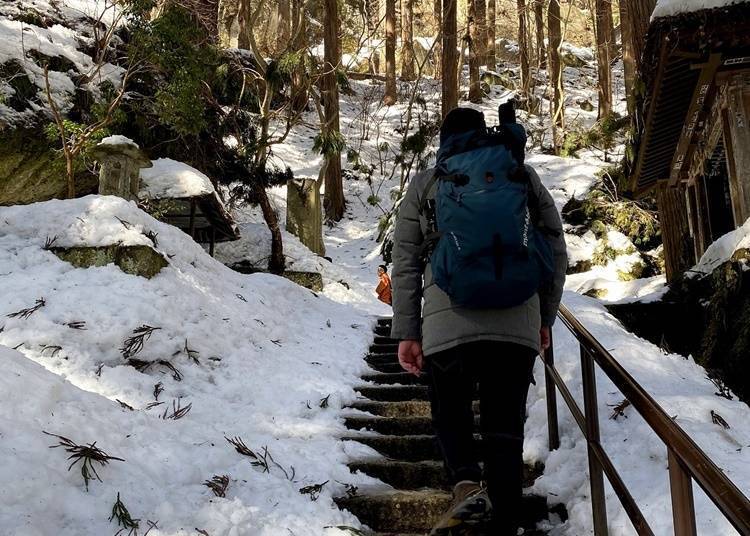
{"points": [[721, 250], [670, 8], [170, 179], [682, 389], [268, 352], [19, 39], [117, 139]]}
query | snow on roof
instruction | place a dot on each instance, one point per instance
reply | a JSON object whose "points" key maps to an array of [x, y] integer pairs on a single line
{"points": [[670, 8], [117, 139], [174, 180], [722, 250]]}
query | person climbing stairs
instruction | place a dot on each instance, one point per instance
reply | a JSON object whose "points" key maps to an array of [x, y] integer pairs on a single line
{"points": [[395, 405]]}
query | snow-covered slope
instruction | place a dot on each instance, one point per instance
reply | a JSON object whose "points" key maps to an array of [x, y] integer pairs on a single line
{"points": [[679, 385], [670, 8], [255, 354]]}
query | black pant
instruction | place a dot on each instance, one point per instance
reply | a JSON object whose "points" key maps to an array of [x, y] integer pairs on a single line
{"points": [[503, 372]]}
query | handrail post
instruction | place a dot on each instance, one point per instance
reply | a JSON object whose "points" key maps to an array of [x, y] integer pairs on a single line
{"points": [[681, 488], [553, 431], [596, 473]]}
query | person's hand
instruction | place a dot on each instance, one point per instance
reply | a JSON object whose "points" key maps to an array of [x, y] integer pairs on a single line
{"points": [[545, 338], [410, 356]]}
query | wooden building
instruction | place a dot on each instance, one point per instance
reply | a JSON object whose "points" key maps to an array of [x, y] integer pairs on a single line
{"points": [[184, 197], [694, 143]]}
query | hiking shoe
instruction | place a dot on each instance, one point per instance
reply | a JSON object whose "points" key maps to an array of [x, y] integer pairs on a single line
{"points": [[470, 508]]}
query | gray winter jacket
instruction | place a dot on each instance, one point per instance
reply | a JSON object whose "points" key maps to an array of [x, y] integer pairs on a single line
{"points": [[446, 325]]}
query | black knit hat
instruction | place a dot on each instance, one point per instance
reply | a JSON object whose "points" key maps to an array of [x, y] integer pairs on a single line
{"points": [[461, 120]]}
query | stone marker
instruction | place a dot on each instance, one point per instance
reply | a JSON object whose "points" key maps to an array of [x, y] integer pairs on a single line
{"points": [[304, 213], [121, 161]]}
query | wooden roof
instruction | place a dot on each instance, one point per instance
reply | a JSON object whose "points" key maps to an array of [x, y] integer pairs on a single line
{"points": [[683, 54], [211, 218]]}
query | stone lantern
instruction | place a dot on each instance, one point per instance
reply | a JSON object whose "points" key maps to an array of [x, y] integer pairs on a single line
{"points": [[121, 160]]}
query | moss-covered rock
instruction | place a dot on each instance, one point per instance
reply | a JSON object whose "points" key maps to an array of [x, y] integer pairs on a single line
{"points": [[24, 90], [707, 317], [143, 261], [311, 280], [30, 171]]}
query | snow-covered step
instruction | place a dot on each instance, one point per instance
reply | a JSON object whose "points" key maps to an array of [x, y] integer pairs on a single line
{"points": [[385, 366], [394, 378], [393, 392], [383, 331], [422, 474], [390, 426], [390, 348], [410, 408], [412, 448], [417, 511], [404, 475]]}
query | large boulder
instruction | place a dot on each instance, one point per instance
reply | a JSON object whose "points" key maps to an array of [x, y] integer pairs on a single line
{"points": [[30, 171], [143, 261]]}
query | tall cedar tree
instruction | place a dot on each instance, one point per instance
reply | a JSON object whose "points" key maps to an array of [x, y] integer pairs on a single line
{"points": [[635, 16], [541, 52], [557, 110], [390, 97], [523, 48], [491, 34], [473, 37], [603, 49], [334, 196], [373, 28], [283, 17], [450, 56], [480, 21], [300, 95], [437, 16], [407, 40]]}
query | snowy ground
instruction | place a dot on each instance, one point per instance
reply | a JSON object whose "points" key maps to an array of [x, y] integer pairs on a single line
{"points": [[254, 337]]}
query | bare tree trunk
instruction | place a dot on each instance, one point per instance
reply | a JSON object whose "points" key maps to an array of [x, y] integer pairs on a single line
{"points": [[390, 53], [243, 19], [334, 196], [284, 25], [523, 49], [639, 15], [407, 40], [450, 60], [227, 22], [276, 263], [473, 39], [555, 74], [491, 34], [300, 95], [603, 20], [628, 60], [480, 20], [437, 53], [373, 21], [539, 23]]}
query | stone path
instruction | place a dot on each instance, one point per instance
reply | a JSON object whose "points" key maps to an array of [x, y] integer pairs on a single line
{"points": [[399, 412]]}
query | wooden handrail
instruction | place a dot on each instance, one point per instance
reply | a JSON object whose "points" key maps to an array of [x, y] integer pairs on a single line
{"points": [[687, 462]]}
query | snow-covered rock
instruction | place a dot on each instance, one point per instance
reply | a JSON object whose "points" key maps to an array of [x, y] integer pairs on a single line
{"points": [[670, 8], [722, 249]]}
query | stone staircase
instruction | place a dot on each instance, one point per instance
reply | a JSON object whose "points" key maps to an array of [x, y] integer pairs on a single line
{"points": [[397, 408]]}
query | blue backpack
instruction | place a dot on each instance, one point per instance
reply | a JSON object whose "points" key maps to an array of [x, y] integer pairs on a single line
{"points": [[487, 250]]}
